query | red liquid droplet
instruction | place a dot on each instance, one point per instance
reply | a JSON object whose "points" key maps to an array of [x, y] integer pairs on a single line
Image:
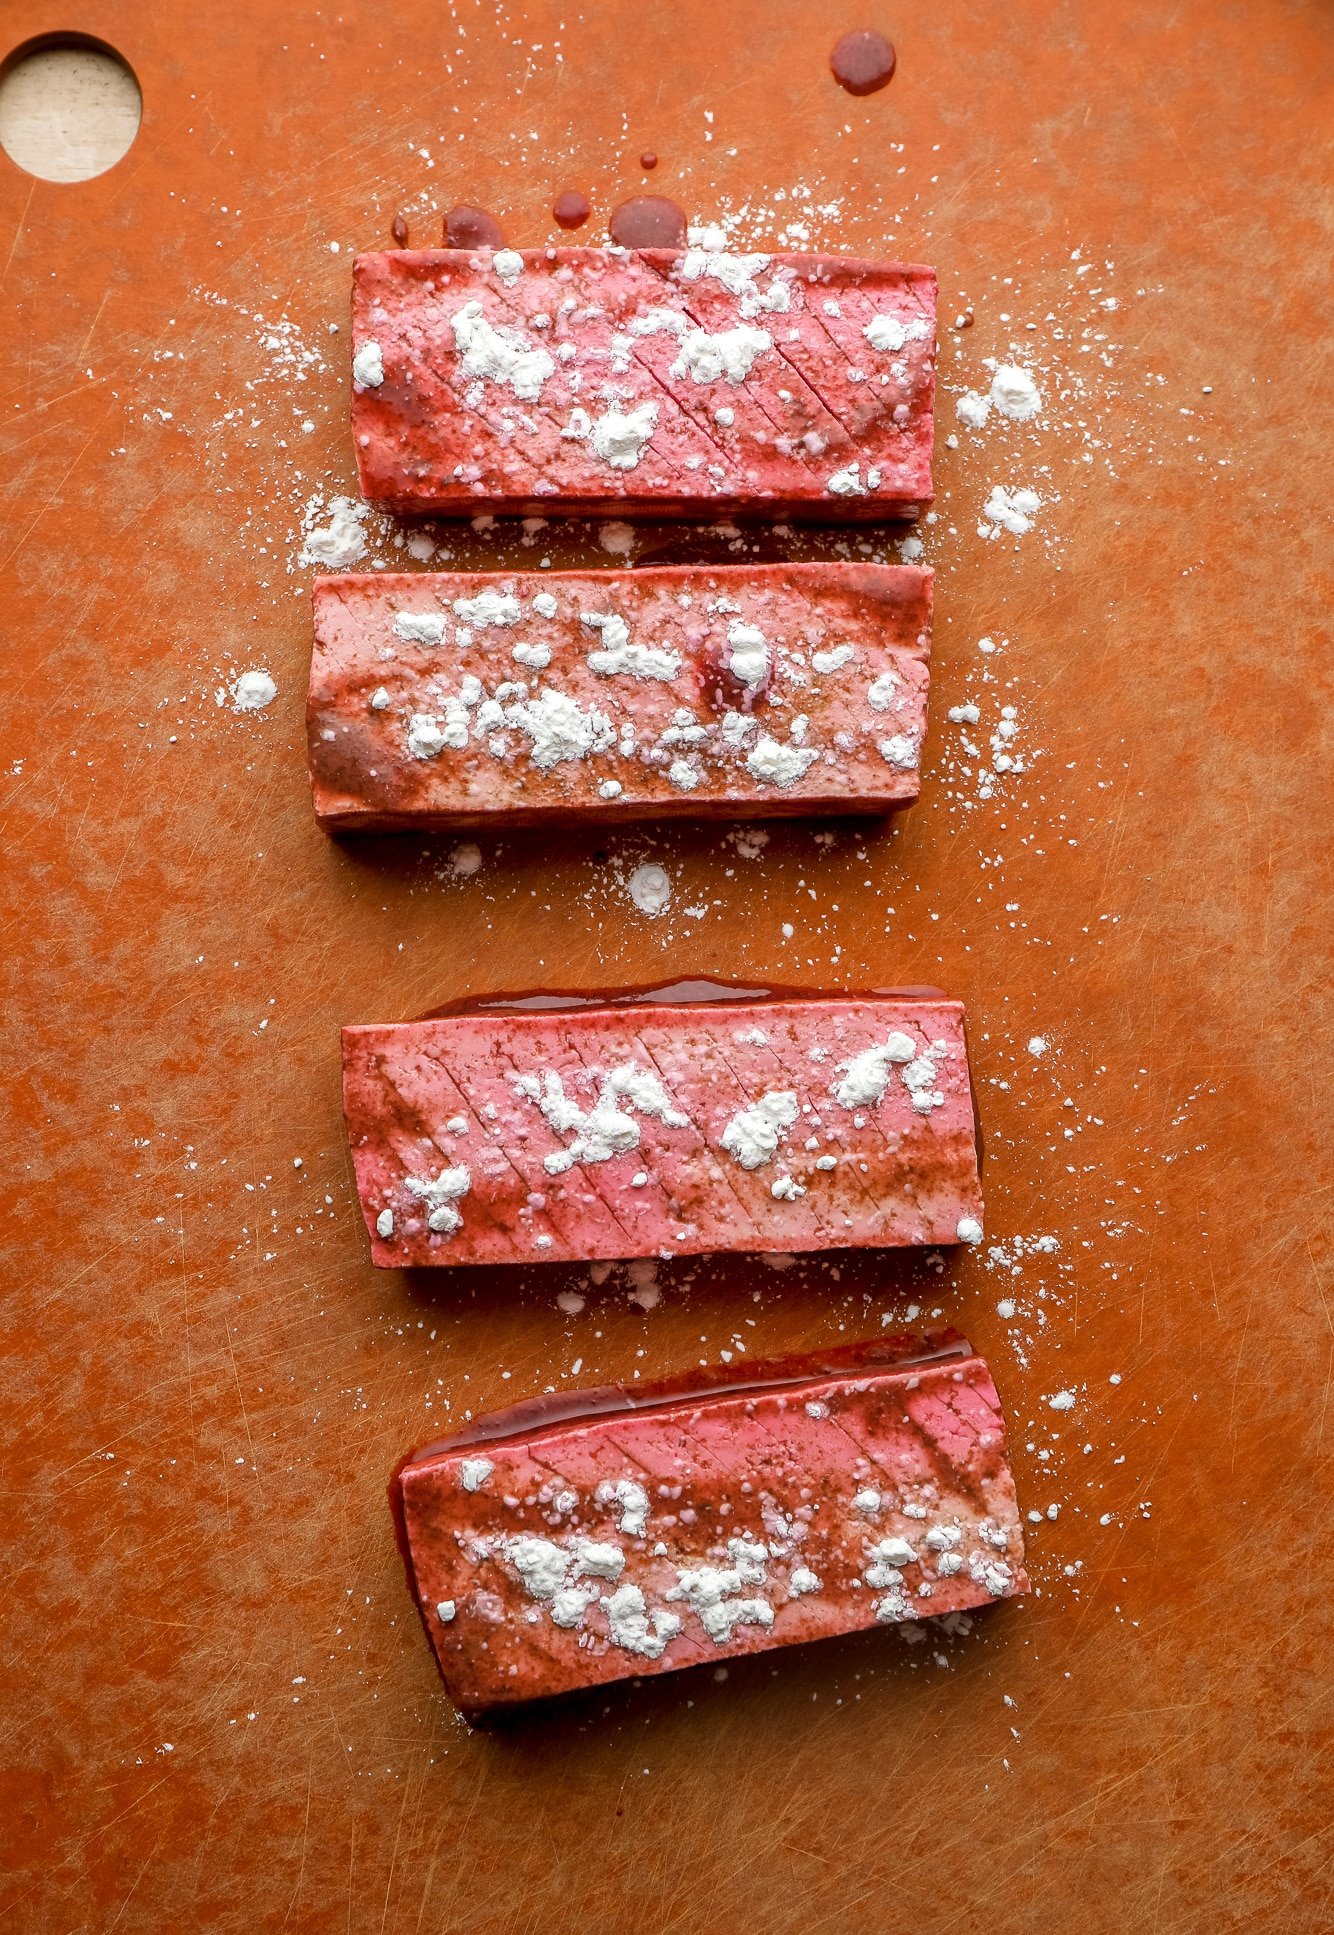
{"points": [[472, 228], [862, 61], [572, 209], [648, 159], [648, 222], [398, 228]]}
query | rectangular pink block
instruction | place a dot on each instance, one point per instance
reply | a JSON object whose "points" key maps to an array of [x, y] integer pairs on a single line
{"points": [[657, 1128], [449, 699], [617, 1533], [656, 383]]}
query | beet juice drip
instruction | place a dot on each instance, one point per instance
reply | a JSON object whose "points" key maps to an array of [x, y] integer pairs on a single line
{"points": [[472, 228], [648, 222], [572, 208], [862, 61]]}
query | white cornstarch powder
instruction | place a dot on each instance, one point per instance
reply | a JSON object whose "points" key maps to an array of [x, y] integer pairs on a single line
{"points": [[419, 627], [1009, 510], [888, 334], [1015, 394], [489, 608], [753, 1134], [650, 888], [340, 542], [900, 752], [866, 1076], [425, 737], [560, 728], [503, 356], [368, 366], [748, 653], [778, 764], [607, 1129], [631, 1500], [629, 1626], [730, 355], [619, 437], [440, 1194], [618, 656], [253, 691]]}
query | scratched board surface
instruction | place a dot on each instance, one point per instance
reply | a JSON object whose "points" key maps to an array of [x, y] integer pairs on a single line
{"points": [[219, 1709]]}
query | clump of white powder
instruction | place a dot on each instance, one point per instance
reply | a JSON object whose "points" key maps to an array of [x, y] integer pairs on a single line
{"points": [[753, 1135], [619, 437], [560, 728], [748, 653], [489, 608], [866, 1076], [650, 888], [1009, 510], [778, 764], [439, 1194], [618, 655], [340, 542], [465, 861], [253, 691], [888, 334], [1015, 394], [368, 367], [501, 356], [730, 354], [617, 539], [419, 627]]}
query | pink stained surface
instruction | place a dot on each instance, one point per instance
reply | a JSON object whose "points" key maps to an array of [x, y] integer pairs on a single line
{"points": [[743, 1144], [643, 1540], [845, 649], [502, 408]]}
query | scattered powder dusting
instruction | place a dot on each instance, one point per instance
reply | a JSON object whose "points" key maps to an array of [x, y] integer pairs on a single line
{"points": [[1101, 405]]}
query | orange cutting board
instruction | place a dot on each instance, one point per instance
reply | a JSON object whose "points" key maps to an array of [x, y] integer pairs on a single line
{"points": [[220, 1711]]}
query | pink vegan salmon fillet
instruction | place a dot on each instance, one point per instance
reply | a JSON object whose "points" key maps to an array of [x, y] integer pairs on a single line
{"points": [[664, 1128], [656, 383], [453, 699], [600, 1535]]}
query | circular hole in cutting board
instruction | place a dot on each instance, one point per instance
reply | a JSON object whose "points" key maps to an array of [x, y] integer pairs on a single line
{"points": [[69, 107]]}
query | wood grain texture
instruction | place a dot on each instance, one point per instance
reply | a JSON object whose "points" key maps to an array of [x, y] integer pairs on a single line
{"points": [[219, 1712]]}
